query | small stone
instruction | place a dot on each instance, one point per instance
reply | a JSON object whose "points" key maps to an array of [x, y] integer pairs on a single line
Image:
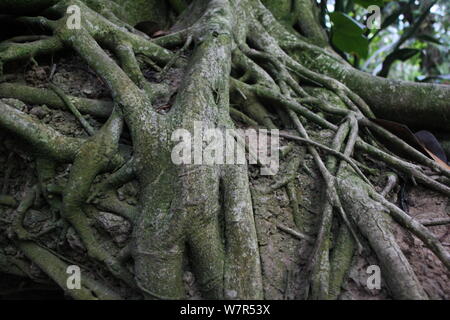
{"points": [[231, 294], [88, 91], [116, 226], [40, 112]]}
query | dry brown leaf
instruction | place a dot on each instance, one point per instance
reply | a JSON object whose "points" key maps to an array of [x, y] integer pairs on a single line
{"points": [[423, 141], [436, 158]]}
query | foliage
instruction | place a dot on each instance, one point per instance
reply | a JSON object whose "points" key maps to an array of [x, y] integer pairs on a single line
{"points": [[411, 43]]}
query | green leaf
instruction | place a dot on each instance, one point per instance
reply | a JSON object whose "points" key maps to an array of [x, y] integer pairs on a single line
{"points": [[348, 35], [429, 38], [367, 3], [357, 44], [346, 23]]}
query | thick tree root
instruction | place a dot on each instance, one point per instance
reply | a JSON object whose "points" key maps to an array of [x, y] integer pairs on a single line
{"points": [[97, 108]]}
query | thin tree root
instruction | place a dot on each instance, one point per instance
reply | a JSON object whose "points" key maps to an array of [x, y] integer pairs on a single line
{"points": [[319, 265], [392, 181], [435, 222], [296, 234], [417, 229], [87, 127], [98, 108]]}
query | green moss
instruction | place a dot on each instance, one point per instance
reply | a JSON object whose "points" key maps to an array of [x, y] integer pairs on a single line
{"points": [[283, 10], [145, 10], [341, 260]]}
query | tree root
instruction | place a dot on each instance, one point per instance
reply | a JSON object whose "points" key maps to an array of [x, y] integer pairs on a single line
{"points": [[87, 127], [42, 138], [97, 108]]}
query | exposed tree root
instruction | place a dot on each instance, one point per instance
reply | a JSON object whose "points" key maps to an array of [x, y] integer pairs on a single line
{"points": [[97, 108]]}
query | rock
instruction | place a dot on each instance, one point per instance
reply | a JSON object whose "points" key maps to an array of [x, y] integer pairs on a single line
{"points": [[35, 219], [40, 111], [116, 226]]}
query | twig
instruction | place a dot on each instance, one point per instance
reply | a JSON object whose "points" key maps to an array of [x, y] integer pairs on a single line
{"points": [[73, 109], [176, 57], [392, 181], [435, 222], [296, 234], [328, 150]]}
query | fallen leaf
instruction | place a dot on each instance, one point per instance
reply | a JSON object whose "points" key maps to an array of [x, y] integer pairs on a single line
{"points": [[433, 147], [159, 33], [402, 132], [423, 141]]}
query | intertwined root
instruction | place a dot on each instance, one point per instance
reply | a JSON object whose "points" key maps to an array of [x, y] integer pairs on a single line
{"points": [[203, 210]]}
